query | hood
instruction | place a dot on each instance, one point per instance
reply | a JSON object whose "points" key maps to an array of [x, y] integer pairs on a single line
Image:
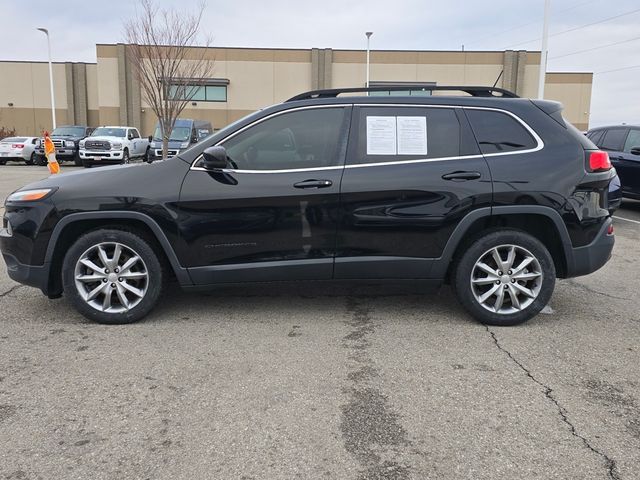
{"points": [[57, 137]]}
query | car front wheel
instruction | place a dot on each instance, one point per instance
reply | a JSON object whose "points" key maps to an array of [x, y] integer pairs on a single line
{"points": [[505, 278], [112, 276]]}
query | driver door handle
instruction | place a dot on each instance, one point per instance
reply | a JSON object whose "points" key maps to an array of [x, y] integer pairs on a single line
{"points": [[313, 184], [461, 176]]}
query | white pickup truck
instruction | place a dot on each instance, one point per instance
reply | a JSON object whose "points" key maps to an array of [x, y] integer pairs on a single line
{"points": [[109, 145]]}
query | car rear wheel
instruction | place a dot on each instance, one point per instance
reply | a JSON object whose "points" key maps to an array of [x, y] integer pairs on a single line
{"points": [[504, 278], [32, 159], [112, 276]]}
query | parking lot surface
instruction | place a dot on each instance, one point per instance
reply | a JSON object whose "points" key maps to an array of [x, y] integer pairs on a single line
{"points": [[321, 381]]}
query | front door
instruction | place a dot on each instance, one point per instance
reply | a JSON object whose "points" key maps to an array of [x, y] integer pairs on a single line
{"points": [[627, 164], [412, 173], [273, 214]]}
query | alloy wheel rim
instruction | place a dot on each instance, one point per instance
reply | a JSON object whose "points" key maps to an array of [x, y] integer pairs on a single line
{"points": [[506, 279], [111, 277]]}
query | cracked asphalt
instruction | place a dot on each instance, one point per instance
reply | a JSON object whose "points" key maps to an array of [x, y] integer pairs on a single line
{"points": [[319, 381]]}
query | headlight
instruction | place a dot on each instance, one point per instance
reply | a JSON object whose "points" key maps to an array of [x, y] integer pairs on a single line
{"points": [[69, 143], [184, 144], [81, 143], [116, 146], [29, 195]]}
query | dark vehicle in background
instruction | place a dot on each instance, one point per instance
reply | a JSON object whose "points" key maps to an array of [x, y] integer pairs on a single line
{"points": [[622, 142], [494, 194], [66, 140], [185, 133]]}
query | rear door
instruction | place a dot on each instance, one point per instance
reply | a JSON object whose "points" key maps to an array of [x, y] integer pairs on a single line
{"points": [[628, 164], [412, 173]]}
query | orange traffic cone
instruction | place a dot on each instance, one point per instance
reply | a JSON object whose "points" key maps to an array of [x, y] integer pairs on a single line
{"points": [[50, 153]]}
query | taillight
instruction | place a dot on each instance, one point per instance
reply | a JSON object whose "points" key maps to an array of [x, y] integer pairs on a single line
{"points": [[610, 229], [17, 145], [598, 161]]}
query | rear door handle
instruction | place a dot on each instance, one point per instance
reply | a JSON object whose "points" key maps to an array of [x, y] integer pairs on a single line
{"points": [[313, 184], [461, 176]]}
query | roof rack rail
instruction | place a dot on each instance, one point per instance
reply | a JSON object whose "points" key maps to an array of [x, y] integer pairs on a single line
{"points": [[474, 91]]}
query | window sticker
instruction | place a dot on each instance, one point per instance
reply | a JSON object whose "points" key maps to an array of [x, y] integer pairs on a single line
{"points": [[412, 135], [381, 136]]}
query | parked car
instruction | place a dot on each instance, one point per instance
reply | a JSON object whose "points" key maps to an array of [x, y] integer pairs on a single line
{"points": [[66, 140], [109, 145], [496, 195], [623, 144], [18, 149], [185, 133]]}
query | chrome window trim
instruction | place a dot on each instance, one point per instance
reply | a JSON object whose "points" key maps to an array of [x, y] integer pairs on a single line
{"points": [[539, 142]]}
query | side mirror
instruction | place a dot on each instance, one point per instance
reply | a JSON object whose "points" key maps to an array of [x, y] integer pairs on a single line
{"points": [[150, 137], [215, 158], [635, 150]]}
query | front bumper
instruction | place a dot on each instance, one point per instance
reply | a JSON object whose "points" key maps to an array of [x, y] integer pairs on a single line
{"points": [[101, 156], [61, 153], [32, 275], [589, 258]]}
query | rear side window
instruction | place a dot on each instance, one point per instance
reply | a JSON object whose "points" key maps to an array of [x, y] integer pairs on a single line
{"points": [[499, 132], [395, 134], [613, 139], [633, 140], [596, 136]]}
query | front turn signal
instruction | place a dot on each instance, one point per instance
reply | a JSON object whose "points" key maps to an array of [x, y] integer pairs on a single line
{"points": [[29, 195]]}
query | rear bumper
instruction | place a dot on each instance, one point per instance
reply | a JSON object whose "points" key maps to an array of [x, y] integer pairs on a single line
{"points": [[591, 257], [32, 275]]}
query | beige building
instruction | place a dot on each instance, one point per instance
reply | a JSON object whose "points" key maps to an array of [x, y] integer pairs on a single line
{"points": [[246, 79]]}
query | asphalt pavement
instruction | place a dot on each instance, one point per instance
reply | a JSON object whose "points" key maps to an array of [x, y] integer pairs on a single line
{"points": [[325, 382]]}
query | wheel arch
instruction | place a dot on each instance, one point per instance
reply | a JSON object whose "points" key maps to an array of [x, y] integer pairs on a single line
{"points": [[69, 228], [543, 223]]}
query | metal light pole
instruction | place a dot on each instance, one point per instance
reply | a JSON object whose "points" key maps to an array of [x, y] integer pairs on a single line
{"points": [[368, 34], [544, 50], [53, 99]]}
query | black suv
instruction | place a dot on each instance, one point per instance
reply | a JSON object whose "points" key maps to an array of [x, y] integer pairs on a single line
{"points": [[622, 142], [494, 194], [66, 139]]}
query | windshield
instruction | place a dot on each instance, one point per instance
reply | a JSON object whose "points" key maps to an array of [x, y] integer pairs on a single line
{"points": [[109, 132], [68, 132], [178, 134]]}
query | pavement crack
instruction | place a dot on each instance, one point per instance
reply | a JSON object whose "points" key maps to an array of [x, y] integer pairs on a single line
{"points": [[612, 468], [11, 290]]}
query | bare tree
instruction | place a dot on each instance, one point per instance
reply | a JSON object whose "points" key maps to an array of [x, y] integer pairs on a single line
{"points": [[168, 63]]}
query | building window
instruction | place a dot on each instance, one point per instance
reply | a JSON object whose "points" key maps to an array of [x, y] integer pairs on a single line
{"points": [[199, 92]]}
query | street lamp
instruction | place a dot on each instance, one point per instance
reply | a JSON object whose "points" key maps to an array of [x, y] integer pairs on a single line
{"points": [[53, 100], [368, 34], [544, 49]]}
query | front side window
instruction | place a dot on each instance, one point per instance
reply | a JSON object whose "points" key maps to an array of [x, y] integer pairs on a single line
{"points": [[498, 132], [299, 139], [394, 134], [109, 132], [614, 139], [633, 140], [134, 133]]}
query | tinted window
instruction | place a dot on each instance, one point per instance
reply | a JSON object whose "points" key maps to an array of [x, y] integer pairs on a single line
{"points": [[134, 133], [299, 139], [633, 140], [498, 132], [596, 136], [394, 134], [613, 139]]}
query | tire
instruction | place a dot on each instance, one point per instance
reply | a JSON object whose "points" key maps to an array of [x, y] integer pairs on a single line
{"points": [[3, 162], [40, 160], [145, 158], [129, 299], [125, 157], [77, 160], [525, 291], [32, 159], [86, 164]]}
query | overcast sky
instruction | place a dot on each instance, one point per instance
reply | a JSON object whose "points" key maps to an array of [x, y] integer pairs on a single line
{"points": [[77, 25]]}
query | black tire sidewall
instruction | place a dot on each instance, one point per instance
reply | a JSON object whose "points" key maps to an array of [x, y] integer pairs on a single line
{"points": [[125, 157], [464, 267], [141, 247]]}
